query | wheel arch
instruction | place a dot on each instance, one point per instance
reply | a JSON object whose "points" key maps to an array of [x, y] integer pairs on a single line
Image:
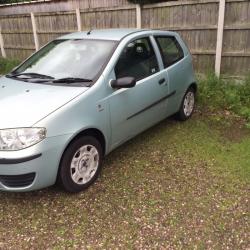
{"points": [[194, 86], [96, 133]]}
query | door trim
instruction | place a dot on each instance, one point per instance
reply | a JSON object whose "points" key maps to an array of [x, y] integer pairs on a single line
{"points": [[152, 105]]}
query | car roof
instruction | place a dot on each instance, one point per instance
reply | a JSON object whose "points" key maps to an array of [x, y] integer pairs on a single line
{"points": [[107, 34]]}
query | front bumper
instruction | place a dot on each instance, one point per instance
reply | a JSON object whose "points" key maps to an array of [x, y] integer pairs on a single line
{"points": [[32, 168]]}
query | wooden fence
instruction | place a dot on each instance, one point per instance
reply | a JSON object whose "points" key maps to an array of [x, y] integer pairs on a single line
{"points": [[221, 40]]}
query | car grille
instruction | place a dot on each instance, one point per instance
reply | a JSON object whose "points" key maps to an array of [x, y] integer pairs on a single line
{"points": [[17, 181]]}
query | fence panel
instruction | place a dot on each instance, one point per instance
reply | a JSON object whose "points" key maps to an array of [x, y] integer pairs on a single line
{"points": [[61, 5], [196, 23], [18, 36], [52, 25], [195, 20], [112, 18], [236, 41]]}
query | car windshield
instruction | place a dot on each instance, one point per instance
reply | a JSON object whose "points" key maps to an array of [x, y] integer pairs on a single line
{"points": [[71, 59]]}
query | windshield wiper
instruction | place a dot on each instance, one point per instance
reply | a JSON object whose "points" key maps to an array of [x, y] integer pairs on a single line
{"points": [[71, 80], [32, 75]]}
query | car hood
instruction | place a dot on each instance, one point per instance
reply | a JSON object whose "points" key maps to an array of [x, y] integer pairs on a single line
{"points": [[22, 104]]}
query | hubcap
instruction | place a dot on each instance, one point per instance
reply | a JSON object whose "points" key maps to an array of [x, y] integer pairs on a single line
{"points": [[84, 164], [188, 104]]}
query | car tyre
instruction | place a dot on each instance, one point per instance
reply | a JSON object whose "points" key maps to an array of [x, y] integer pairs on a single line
{"points": [[187, 105], [81, 164]]}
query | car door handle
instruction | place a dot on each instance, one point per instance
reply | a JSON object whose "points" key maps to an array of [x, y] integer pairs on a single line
{"points": [[161, 81]]}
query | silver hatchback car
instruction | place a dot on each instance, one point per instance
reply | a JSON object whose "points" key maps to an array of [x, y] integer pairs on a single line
{"points": [[81, 96]]}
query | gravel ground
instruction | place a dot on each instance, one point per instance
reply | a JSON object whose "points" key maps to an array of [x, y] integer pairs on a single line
{"points": [[176, 186]]}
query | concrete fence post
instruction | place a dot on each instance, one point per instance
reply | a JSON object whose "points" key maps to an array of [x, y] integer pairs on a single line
{"points": [[138, 16], [219, 42], [34, 28], [78, 19], [2, 43]]}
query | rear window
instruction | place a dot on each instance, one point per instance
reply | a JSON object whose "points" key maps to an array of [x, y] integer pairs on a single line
{"points": [[170, 49]]}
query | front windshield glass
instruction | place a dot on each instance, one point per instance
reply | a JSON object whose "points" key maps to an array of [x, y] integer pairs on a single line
{"points": [[80, 58]]}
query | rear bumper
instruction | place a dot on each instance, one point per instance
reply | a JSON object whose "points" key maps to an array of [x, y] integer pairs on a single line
{"points": [[32, 168]]}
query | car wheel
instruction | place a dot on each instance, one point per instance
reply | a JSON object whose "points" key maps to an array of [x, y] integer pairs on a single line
{"points": [[187, 105], [80, 164]]}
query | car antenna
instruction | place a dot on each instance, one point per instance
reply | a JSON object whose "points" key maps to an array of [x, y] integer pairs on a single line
{"points": [[89, 32]]}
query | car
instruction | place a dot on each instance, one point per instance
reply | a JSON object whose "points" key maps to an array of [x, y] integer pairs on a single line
{"points": [[84, 94]]}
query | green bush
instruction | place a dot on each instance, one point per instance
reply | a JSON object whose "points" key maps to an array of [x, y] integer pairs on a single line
{"points": [[6, 65], [217, 93]]}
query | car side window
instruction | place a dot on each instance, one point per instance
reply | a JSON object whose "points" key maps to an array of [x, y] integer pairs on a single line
{"points": [[170, 49], [137, 60]]}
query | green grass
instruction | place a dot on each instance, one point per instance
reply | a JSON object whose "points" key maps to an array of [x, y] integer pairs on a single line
{"points": [[224, 94], [176, 186], [6, 65]]}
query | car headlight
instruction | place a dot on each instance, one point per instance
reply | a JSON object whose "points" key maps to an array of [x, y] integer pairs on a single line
{"points": [[20, 138]]}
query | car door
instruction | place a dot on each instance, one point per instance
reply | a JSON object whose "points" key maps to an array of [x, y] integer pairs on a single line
{"points": [[132, 110], [174, 63]]}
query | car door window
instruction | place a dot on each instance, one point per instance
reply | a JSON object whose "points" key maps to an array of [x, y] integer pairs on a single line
{"points": [[137, 60], [170, 49]]}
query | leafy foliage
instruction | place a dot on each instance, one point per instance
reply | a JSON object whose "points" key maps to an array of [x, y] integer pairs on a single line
{"points": [[7, 65], [226, 94]]}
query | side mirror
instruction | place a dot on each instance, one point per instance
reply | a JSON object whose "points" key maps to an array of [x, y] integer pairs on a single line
{"points": [[124, 82]]}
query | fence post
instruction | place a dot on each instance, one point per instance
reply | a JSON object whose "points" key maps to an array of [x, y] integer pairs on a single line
{"points": [[219, 42], [78, 19], [33, 21], [138, 16], [2, 43]]}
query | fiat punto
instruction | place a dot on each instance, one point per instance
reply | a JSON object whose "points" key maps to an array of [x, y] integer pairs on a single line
{"points": [[81, 96]]}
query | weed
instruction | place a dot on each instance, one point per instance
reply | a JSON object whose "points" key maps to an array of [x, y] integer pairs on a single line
{"points": [[6, 65], [217, 93]]}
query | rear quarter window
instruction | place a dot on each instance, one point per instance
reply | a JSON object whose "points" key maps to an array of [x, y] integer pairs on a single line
{"points": [[170, 49]]}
